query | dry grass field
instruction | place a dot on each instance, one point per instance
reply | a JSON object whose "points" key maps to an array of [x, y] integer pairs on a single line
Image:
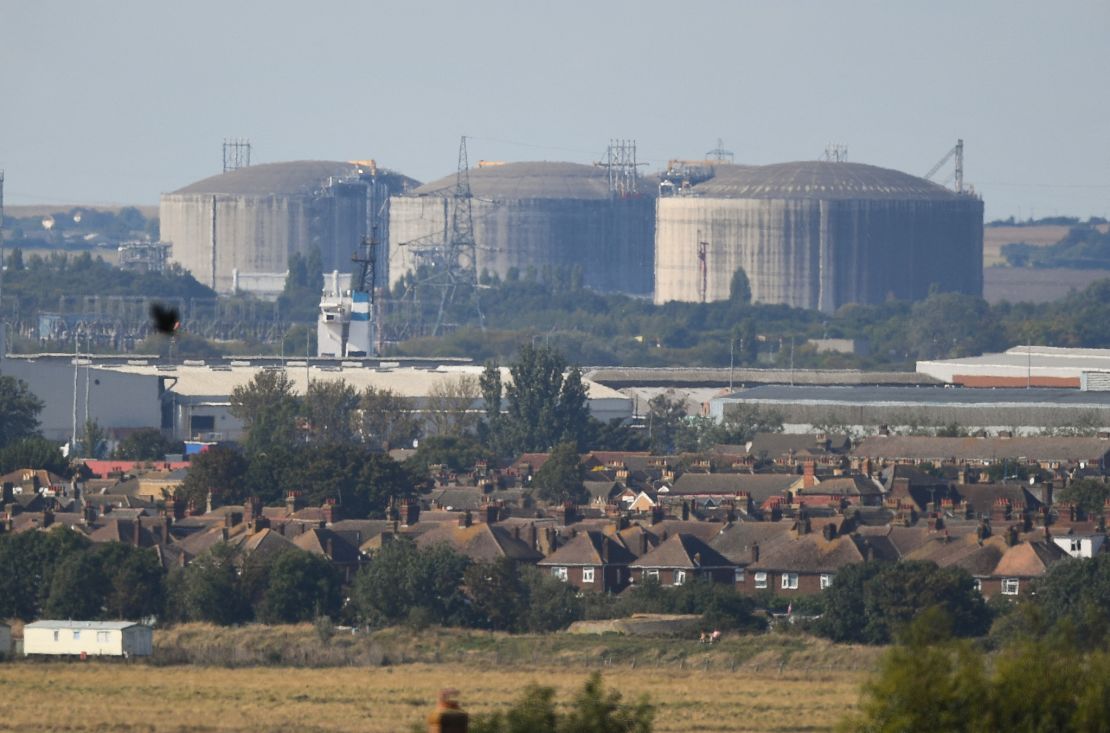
{"points": [[995, 237], [770, 682], [132, 697]]}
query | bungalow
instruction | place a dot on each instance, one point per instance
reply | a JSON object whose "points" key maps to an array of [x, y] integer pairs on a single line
{"points": [[80, 638], [591, 561], [682, 558]]}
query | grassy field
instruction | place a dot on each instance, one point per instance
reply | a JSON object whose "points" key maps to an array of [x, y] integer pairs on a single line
{"points": [[765, 683]]}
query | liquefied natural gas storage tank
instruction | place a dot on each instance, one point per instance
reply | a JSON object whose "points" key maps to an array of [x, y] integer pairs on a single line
{"points": [[545, 216], [817, 234]]}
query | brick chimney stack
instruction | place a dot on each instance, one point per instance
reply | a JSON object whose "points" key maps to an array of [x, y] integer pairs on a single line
{"points": [[330, 511], [809, 476]]}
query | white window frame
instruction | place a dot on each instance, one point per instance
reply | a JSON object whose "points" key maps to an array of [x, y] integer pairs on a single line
{"points": [[789, 581], [978, 584], [651, 573], [57, 635], [1011, 586], [103, 637], [738, 576], [826, 581], [587, 575], [76, 634], [679, 577], [761, 580], [560, 573]]}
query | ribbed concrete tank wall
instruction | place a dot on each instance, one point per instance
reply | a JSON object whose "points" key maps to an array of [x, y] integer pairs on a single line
{"points": [[253, 219], [535, 215], [818, 235]]}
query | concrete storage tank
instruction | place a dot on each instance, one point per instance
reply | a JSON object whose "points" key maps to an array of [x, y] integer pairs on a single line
{"points": [[540, 215], [817, 235], [237, 230]]}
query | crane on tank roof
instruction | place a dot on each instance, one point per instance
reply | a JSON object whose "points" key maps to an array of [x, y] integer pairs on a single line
{"points": [[957, 176]]}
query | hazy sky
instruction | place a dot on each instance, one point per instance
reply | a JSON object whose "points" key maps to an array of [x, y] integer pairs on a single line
{"points": [[117, 102]]}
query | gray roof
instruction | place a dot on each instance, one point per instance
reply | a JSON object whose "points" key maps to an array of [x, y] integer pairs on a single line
{"points": [[533, 180], [925, 448], [97, 625], [288, 178], [923, 396], [814, 179]]}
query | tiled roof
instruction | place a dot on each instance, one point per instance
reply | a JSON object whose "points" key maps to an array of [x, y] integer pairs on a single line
{"points": [[589, 548], [810, 553], [1028, 559], [760, 486], [481, 542], [1065, 450], [682, 551], [735, 541]]}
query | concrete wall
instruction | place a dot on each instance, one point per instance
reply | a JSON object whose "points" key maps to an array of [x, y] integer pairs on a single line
{"points": [[611, 241], [812, 253], [257, 234]]}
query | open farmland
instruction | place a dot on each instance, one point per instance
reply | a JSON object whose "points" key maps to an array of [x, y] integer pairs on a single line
{"points": [[748, 683]]}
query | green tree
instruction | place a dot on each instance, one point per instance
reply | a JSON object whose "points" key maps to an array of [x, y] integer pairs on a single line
{"points": [[268, 408], [94, 439], [593, 710], [29, 560], [1088, 494], [77, 588], [209, 589], [361, 483], [388, 420], [498, 592], [329, 408], [560, 478], [544, 407], [893, 595], [1071, 597], [19, 411], [145, 444], [739, 288], [665, 418], [220, 470], [459, 454], [34, 452], [300, 587], [135, 582], [405, 583], [551, 604]]}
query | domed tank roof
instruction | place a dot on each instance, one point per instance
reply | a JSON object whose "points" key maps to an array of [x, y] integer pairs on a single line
{"points": [[532, 180], [816, 179], [289, 178]]}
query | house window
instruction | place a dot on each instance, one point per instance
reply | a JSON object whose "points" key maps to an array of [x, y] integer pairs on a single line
{"points": [[102, 637], [1076, 546], [587, 575], [738, 575], [978, 584], [826, 581], [1010, 586], [56, 634], [560, 573], [761, 580], [653, 574], [679, 577], [790, 581], [76, 635]]}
